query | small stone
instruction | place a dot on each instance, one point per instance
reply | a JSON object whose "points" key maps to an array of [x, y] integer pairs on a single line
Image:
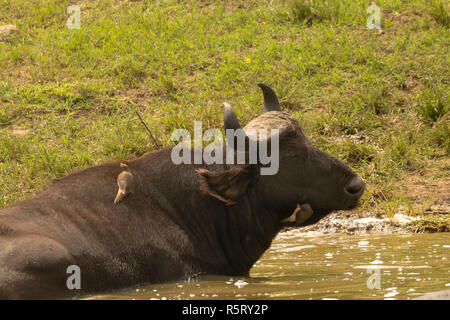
{"points": [[402, 219], [7, 31], [19, 131], [439, 295]]}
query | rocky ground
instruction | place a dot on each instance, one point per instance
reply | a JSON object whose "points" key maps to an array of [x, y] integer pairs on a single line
{"points": [[436, 219]]}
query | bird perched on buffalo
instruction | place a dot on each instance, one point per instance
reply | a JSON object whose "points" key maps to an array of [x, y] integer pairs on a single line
{"points": [[125, 182]]}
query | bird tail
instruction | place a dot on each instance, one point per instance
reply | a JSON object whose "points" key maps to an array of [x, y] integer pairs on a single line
{"points": [[119, 196]]}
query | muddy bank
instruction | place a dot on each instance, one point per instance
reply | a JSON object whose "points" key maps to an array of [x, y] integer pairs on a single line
{"points": [[436, 219]]}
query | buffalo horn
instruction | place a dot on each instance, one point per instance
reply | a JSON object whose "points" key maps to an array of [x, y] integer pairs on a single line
{"points": [[270, 98]]}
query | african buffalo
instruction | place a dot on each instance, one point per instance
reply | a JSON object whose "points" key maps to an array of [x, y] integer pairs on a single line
{"points": [[176, 222]]}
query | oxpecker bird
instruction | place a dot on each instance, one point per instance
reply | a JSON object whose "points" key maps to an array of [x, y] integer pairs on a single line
{"points": [[125, 182]]}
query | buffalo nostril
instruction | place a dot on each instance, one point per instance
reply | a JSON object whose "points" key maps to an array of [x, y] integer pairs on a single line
{"points": [[356, 186]]}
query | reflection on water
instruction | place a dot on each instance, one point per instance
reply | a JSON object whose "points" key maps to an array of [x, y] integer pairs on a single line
{"points": [[325, 267]]}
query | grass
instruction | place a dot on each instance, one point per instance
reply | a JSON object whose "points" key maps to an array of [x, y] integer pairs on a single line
{"points": [[378, 100], [439, 12], [434, 104], [310, 12]]}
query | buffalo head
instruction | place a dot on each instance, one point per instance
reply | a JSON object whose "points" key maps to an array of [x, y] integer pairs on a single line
{"points": [[306, 176]]}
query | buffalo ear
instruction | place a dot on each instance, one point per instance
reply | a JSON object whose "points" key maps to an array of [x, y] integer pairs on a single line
{"points": [[227, 185]]}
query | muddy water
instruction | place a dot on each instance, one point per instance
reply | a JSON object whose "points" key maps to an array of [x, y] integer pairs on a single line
{"points": [[325, 267]]}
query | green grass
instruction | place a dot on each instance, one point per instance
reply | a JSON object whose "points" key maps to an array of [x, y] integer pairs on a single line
{"points": [[376, 100], [434, 104], [439, 12]]}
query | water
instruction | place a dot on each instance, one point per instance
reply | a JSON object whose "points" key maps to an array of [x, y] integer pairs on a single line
{"points": [[325, 267]]}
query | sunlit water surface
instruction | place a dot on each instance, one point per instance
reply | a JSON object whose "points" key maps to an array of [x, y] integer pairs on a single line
{"points": [[325, 267]]}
